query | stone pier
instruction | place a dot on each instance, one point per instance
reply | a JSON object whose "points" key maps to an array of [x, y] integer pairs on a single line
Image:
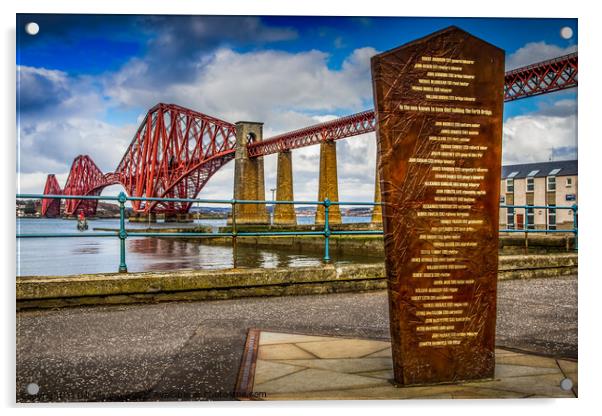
{"points": [[284, 214], [187, 217], [328, 183], [182, 218], [377, 213], [139, 217], [170, 217], [249, 176]]}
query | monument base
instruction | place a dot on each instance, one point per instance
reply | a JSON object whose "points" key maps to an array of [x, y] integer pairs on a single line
{"points": [[360, 369], [441, 383]]}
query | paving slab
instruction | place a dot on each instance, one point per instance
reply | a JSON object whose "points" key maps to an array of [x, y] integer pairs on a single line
{"points": [[356, 369], [311, 379], [567, 367], [268, 338], [270, 370], [386, 352], [347, 365], [283, 352], [344, 348]]}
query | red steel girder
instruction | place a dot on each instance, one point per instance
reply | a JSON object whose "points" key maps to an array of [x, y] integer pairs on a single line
{"points": [[540, 78], [51, 208], [173, 154], [340, 128], [85, 178], [176, 150]]}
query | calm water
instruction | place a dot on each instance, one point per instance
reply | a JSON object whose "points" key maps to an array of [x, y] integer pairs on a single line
{"points": [[65, 256]]}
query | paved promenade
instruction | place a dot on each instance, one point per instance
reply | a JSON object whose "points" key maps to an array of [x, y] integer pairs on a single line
{"points": [[192, 350], [307, 367]]}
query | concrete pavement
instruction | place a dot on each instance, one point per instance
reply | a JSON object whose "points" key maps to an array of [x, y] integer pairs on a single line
{"points": [[192, 350]]}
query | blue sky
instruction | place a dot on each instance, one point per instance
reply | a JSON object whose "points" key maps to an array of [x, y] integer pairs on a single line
{"points": [[85, 81]]}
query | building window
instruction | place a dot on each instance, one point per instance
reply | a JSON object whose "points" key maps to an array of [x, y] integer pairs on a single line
{"points": [[530, 218], [510, 218], [510, 181], [551, 183], [569, 182], [552, 218], [531, 180]]}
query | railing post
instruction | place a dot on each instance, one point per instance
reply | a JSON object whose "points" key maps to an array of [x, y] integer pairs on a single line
{"points": [[326, 231], [574, 208], [123, 268], [526, 229], [233, 204]]}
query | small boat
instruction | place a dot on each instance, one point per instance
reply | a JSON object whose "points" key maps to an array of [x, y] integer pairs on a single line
{"points": [[82, 224]]}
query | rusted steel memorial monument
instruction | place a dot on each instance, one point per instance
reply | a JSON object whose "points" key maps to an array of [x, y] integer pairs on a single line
{"points": [[439, 103]]}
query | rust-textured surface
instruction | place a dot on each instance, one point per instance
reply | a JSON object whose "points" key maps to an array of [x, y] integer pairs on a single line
{"points": [[439, 104], [246, 372]]}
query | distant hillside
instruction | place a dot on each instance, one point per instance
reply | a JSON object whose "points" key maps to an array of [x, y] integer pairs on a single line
{"points": [[33, 208]]}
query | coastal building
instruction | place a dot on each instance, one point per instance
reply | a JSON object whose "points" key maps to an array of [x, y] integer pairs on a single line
{"points": [[539, 184]]}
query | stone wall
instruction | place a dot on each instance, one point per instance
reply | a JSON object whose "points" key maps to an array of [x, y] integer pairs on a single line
{"points": [[98, 289]]}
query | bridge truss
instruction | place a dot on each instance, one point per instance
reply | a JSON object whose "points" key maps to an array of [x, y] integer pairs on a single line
{"points": [[175, 150]]}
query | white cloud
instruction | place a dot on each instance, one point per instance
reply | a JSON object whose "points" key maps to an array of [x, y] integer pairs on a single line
{"points": [[34, 182], [255, 85], [49, 145], [59, 119], [549, 133], [537, 138], [534, 52], [357, 167]]}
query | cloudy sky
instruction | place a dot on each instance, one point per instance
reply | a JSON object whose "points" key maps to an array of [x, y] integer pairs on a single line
{"points": [[85, 83]]}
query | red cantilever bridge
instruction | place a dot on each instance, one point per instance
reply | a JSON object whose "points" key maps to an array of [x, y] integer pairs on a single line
{"points": [[176, 150]]}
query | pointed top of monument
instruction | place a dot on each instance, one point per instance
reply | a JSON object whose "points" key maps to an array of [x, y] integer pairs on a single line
{"points": [[431, 36]]}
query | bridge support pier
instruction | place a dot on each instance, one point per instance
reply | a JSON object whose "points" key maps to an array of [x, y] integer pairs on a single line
{"points": [[328, 183], [172, 217], [139, 217], [186, 217], [249, 176], [377, 213], [176, 217], [284, 214]]}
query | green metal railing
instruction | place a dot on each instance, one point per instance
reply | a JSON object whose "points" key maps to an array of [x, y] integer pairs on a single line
{"points": [[122, 234], [526, 226], [326, 232]]}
